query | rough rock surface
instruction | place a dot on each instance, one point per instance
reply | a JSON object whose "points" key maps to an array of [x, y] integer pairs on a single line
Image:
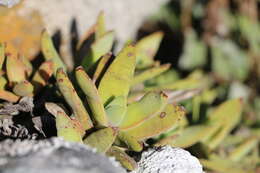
{"points": [[53, 156], [168, 160]]}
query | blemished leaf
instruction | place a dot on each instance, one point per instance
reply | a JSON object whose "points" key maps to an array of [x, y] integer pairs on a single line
{"points": [[195, 52], [116, 81], [93, 99], [72, 98], [146, 49], [66, 128], [149, 73], [150, 105], [125, 160], [99, 48], [116, 110], [42, 75], [54, 108], [102, 139], [158, 124], [50, 53]]}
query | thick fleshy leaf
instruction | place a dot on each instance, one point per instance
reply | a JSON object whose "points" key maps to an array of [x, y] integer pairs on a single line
{"points": [[8, 96], [116, 110], [102, 139], [93, 99], [24, 88], [99, 48], [150, 105], [50, 52], [100, 26], [146, 49], [42, 75], [101, 67], [116, 81], [130, 142], [158, 124], [54, 109], [66, 128], [72, 98], [149, 74], [15, 69], [125, 160]]}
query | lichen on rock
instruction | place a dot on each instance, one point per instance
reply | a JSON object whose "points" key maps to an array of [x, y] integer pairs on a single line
{"points": [[168, 160]]}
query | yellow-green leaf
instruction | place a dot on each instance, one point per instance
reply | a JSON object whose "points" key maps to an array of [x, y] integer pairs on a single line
{"points": [[158, 124], [102, 139], [93, 99], [150, 105]]}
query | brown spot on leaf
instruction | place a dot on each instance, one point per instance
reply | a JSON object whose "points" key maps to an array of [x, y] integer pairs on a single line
{"points": [[130, 54], [60, 80], [162, 114]]}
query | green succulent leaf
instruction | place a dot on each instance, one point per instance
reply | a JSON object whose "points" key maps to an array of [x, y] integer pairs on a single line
{"points": [[146, 49], [116, 81], [100, 26], [149, 74], [138, 112], [130, 142], [158, 124], [190, 136], [102, 139], [101, 67], [15, 69], [23, 88], [50, 52], [116, 110], [100, 47], [125, 160], [227, 115], [72, 98], [93, 99]]}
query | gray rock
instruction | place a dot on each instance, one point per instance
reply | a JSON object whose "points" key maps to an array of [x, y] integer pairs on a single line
{"points": [[53, 156], [168, 160]]}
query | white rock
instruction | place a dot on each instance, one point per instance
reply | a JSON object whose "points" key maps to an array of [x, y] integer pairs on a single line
{"points": [[168, 160]]}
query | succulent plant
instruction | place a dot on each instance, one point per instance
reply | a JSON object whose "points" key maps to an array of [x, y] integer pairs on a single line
{"points": [[116, 103]]}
